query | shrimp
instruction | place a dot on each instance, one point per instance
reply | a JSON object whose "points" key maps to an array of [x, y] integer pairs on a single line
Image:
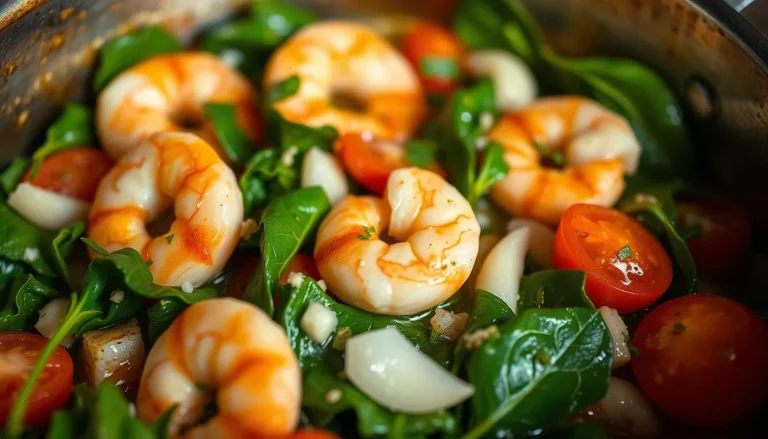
{"points": [[597, 148], [343, 59], [229, 350], [144, 183], [167, 93], [436, 239]]}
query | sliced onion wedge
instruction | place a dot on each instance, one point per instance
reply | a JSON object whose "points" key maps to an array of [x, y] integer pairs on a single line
{"points": [[47, 209], [504, 266], [541, 242], [384, 365], [322, 169]]}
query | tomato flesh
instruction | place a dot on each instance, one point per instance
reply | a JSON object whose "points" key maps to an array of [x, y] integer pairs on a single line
{"points": [[18, 353], [702, 359], [437, 55], [74, 173], [725, 234], [370, 162], [238, 282], [626, 266]]}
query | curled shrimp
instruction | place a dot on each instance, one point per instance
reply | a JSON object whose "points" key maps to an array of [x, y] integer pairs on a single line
{"points": [[594, 146], [234, 349], [335, 58], [436, 239], [167, 93], [179, 170]]}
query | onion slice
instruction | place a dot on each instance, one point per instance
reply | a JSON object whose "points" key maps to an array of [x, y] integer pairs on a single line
{"points": [[385, 366], [322, 169], [504, 266], [541, 242], [47, 209]]}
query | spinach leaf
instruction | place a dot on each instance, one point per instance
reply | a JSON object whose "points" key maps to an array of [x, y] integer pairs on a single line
{"points": [[265, 177], [103, 413], [288, 135], [373, 420], [130, 49], [544, 366], [420, 153], [650, 212], [579, 431], [493, 170], [43, 251], [487, 309], [233, 140], [161, 315], [73, 129], [13, 174], [26, 297], [286, 224], [416, 328], [254, 37], [553, 289], [460, 133]]}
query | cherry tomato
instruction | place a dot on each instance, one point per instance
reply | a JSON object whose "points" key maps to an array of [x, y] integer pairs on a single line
{"points": [[18, 353], [75, 172], [370, 162], [238, 282], [437, 55], [627, 268], [725, 233], [702, 359]]}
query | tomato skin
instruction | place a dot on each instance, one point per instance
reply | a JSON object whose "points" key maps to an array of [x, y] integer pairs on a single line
{"points": [[702, 359], [604, 284], [725, 236], [53, 387], [74, 172], [238, 281], [303, 264], [369, 163], [431, 41]]}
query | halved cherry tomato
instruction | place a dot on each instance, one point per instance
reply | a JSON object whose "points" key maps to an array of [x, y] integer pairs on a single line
{"points": [[300, 263], [18, 353], [437, 55], [725, 233], [370, 162], [702, 359], [627, 268], [75, 172]]}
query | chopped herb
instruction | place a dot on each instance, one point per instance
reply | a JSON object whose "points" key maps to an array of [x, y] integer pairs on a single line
{"points": [[556, 157], [679, 328], [150, 262], [368, 231], [624, 253], [169, 239]]}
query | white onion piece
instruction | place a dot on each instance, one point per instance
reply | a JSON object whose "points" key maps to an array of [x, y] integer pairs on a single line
{"points": [[322, 169], [385, 366], [514, 84], [50, 319], [487, 243], [504, 266], [620, 335], [47, 209], [626, 410], [541, 242]]}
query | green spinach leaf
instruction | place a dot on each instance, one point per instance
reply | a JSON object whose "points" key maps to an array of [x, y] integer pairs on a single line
{"points": [[373, 420], [233, 140], [553, 289], [544, 366], [286, 224], [73, 129], [130, 49], [26, 297], [265, 177], [487, 309], [282, 90], [13, 174], [493, 170], [421, 153], [161, 315]]}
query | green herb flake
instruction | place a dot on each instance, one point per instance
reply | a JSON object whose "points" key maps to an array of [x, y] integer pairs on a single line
{"points": [[368, 232], [169, 239], [149, 263], [679, 328], [624, 253], [439, 68]]}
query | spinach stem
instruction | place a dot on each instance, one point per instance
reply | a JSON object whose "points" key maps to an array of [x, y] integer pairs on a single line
{"points": [[13, 428]]}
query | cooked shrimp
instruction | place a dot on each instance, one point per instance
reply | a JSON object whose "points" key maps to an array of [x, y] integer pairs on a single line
{"points": [[145, 182], [436, 236], [234, 349], [167, 93], [597, 147], [333, 59]]}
